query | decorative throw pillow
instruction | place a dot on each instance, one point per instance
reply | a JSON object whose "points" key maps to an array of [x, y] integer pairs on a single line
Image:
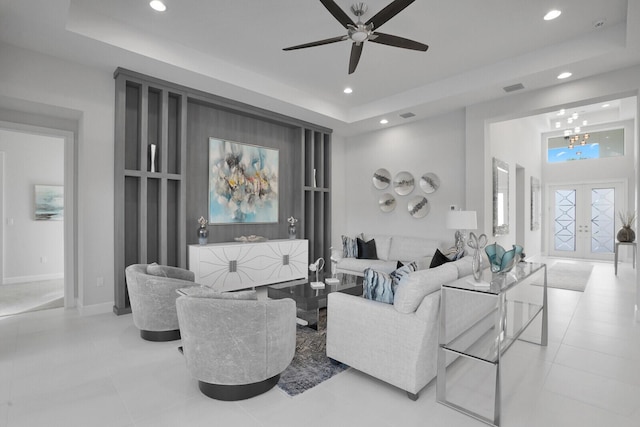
{"points": [[155, 269], [366, 250], [438, 259], [378, 286], [400, 273], [350, 246]]}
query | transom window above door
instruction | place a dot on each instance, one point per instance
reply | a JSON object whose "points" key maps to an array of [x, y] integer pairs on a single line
{"points": [[586, 145]]}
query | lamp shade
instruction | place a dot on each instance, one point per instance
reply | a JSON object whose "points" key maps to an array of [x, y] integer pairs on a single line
{"points": [[462, 220]]}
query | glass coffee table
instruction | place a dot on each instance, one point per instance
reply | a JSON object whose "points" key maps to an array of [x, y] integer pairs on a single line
{"points": [[309, 301]]}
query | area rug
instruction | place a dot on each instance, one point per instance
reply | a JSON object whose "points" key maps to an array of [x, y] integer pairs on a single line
{"points": [[566, 275], [310, 365]]}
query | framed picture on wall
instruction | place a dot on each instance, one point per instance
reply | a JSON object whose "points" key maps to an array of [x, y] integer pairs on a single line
{"points": [[243, 183], [49, 202]]}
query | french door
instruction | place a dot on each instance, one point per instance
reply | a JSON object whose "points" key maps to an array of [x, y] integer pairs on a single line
{"points": [[583, 220]]}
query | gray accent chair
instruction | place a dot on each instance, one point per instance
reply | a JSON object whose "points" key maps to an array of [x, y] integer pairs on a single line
{"points": [[235, 345], [152, 292]]}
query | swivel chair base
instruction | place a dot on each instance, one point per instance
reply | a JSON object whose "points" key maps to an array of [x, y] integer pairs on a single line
{"points": [[237, 392]]}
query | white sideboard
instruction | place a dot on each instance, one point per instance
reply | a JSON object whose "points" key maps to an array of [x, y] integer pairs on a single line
{"points": [[231, 266]]}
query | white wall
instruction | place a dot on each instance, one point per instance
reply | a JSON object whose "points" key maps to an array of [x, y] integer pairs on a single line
{"points": [[432, 145], [41, 80], [30, 160], [517, 142]]}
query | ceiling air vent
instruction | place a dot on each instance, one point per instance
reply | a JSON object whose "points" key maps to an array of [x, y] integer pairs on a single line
{"points": [[407, 115], [513, 88]]}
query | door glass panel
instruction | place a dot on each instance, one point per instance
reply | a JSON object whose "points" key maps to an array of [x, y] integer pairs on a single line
{"points": [[603, 207], [565, 220]]}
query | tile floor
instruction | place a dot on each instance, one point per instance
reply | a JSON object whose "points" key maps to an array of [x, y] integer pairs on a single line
{"points": [[58, 368]]}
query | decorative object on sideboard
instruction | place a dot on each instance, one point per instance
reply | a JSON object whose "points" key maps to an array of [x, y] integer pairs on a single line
{"points": [[317, 266], [536, 200], [500, 197], [381, 179], [501, 260], [243, 183], [203, 232], [152, 157], [292, 227], [250, 239], [477, 243], [461, 221], [403, 183], [418, 207], [626, 233], [429, 182], [387, 202], [48, 202]]}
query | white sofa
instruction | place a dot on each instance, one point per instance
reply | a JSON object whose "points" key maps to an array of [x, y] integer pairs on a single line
{"points": [[397, 343], [390, 250]]}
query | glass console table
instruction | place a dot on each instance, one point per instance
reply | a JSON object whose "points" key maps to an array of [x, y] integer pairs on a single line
{"points": [[505, 306]]}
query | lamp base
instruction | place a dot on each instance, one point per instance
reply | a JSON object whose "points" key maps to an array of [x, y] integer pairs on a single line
{"points": [[316, 285]]}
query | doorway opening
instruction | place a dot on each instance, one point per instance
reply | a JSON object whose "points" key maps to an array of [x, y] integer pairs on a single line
{"points": [[36, 226]]}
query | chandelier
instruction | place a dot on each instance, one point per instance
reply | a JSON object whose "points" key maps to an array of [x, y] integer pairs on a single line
{"points": [[575, 139]]}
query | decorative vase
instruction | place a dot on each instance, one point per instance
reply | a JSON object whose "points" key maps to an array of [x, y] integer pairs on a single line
{"points": [[501, 260], [626, 234], [203, 235], [292, 231]]}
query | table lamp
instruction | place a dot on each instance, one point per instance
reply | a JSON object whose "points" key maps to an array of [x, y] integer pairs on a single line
{"points": [[317, 266]]}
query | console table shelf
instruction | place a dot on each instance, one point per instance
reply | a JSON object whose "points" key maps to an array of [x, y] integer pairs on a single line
{"points": [[508, 319]]}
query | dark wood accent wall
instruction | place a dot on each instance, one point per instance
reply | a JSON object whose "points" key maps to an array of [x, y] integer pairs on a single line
{"points": [[206, 120], [156, 212]]}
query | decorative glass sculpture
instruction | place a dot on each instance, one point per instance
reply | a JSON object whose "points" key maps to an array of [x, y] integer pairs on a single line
{"points": [[503, 261], [477, 243]]}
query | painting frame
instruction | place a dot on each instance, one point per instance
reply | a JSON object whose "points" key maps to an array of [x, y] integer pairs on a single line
{"points": [[48, 202], [243, 183]]}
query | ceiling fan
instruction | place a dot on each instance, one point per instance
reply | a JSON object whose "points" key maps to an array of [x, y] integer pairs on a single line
{"points": [[360, 32]]}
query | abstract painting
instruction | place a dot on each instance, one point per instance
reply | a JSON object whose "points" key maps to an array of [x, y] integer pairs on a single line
{"points": [[243, 183], [49, 202]]}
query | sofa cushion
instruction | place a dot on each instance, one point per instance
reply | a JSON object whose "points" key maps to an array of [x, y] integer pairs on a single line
{"points": [[357, 266], [438, 259], [411, 248], [383, 244], [366, 250], [378, 286], [415, 286], [206, 292]]}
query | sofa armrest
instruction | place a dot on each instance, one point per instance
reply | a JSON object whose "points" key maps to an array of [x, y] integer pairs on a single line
{"points": [[375, 338]]}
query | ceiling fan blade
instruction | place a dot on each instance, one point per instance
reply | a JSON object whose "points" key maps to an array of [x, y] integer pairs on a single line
{"points": [[317, 43], [391, 10], [396, 41], [356, 51], [338, 13]]}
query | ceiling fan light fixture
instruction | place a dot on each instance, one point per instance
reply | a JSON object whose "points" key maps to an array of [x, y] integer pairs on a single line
{"points": [[359, 36], [552, 14], [157, 5]]}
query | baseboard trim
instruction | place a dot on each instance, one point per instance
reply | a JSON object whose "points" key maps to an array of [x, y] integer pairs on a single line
{"points": [[27, 279], [88, 310]]}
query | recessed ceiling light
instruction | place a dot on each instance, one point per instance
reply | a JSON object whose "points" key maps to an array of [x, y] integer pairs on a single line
{"points": [[605, 105], [347, 90], [384, 121], [564, 75], [158, 5], [552, 14]]}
